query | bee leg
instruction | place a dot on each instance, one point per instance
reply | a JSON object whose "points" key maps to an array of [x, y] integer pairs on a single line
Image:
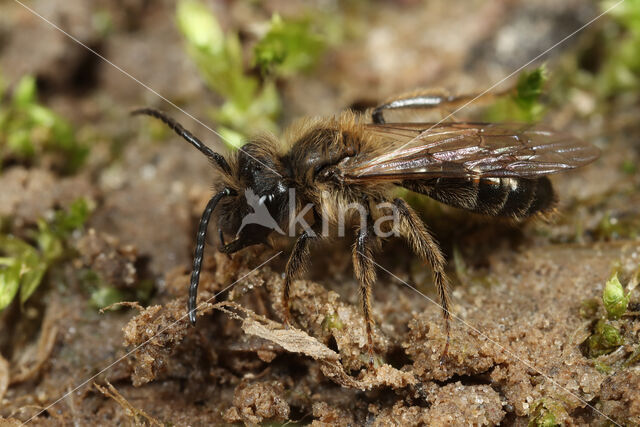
{"points": [[295, 265], [429, 99], [222, 242], [365, 272], [425, 246]]}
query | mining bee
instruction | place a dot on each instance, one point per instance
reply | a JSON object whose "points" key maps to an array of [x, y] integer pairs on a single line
{"points": [[487, 168]]}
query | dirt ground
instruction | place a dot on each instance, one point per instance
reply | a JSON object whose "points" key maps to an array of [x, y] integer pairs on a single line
{"points": [[526, 297]]}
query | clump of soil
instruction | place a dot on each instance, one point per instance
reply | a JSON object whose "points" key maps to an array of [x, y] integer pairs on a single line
{"points": [[526, 297]]}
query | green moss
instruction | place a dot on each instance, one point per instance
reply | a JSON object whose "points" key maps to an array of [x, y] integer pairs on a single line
{"points": [[288, 47], [105, 296], [52, 235], [332, 321], [249, 107], [522, 104], [629, 167], [529, 88], [546, 412], [620, 70], [613, 297], [609, 66], [21, 269], [102, 22], [251, 104], [604, 339], [603, 368], [23, 266], [28, 130]]}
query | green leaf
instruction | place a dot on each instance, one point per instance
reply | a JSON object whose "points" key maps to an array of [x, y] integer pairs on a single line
{"points": [[41, 116], [28, 263], [25, 92], [289, 46], [614, 299], [74, 217], [231, 138], [105, 296], [530, 86], [627, 12], [22, 267], [9, 283], [523, 104], [49, 242], [28, 129], [199, 26], [19, 142], [52, 235], [605, 339], [33, 273], [218, 56]]}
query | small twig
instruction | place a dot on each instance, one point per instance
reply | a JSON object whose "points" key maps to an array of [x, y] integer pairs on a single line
{"points": [[129, 409]]}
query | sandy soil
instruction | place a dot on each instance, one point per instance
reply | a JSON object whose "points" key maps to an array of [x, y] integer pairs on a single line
{"points": [[526, 297]]}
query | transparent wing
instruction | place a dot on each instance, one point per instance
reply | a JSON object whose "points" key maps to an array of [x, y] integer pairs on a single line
{"points": [[450, 150]]}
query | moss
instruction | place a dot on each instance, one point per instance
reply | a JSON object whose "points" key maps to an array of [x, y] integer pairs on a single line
{"points": [[629, 167], [23, 266], [21, 269], [332, 321], [613, 297], [288, 47], [522, 103], [102, 22], [249, 106], [28, 131], [603, 368], [546, 412], [528, 90], [604, 340], [621, 67], [105, 296], [102, 294]]}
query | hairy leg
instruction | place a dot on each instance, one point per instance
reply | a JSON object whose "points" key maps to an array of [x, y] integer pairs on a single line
{"points": [[424, 245], [426, 100], [365, 272], [295, 266]]}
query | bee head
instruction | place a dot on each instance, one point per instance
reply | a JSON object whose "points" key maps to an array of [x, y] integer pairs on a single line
{"points": [[260, 203]]}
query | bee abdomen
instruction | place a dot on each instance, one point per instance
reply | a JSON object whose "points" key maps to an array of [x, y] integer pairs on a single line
{"points": [[510, 197]]}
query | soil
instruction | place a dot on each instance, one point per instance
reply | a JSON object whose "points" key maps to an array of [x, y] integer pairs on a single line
{"points": [[525, 296]]}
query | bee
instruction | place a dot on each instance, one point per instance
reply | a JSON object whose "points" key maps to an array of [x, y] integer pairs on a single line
{"points": [[496, 169]]}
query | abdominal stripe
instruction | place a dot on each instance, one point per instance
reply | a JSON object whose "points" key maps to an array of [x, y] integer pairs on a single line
{"points": [[511, 197]]}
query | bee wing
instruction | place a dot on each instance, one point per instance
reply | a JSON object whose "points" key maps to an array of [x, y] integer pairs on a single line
{"points": [[456, 150]]}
